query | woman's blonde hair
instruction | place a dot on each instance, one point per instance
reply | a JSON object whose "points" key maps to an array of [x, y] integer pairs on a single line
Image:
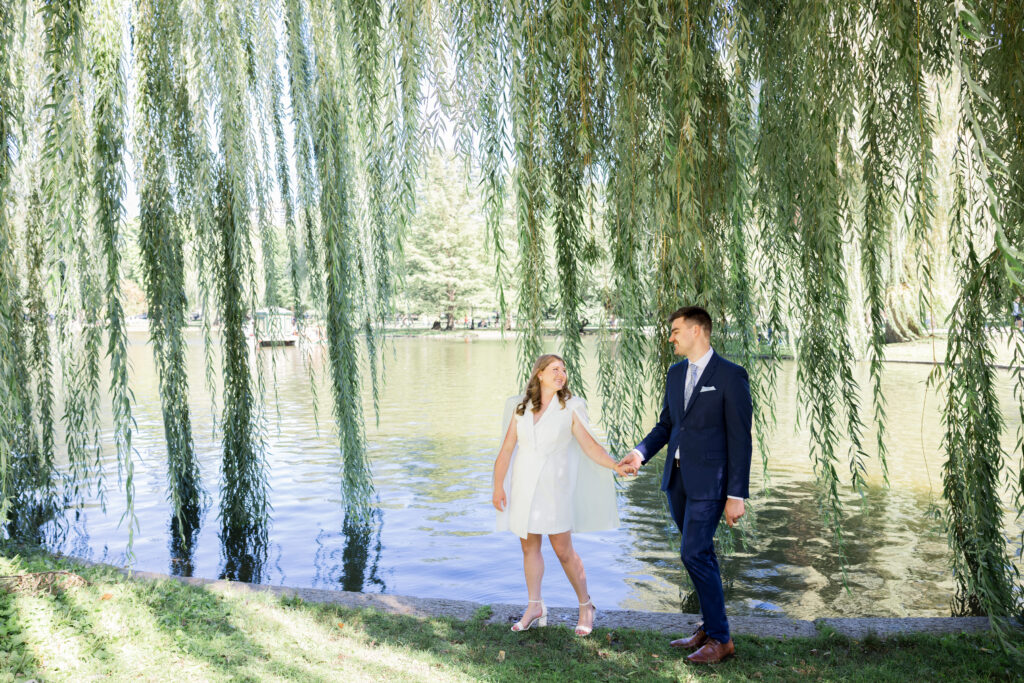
{"points": [[533, 386]]}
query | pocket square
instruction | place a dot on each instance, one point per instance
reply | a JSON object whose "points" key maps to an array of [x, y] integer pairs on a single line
{"points": [[703, 389]]}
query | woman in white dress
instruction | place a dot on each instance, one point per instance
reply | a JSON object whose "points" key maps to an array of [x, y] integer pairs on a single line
{"points": [[552, 477]]}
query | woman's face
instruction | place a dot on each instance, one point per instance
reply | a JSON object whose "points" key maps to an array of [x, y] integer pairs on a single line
{"points": [[553, 377]]}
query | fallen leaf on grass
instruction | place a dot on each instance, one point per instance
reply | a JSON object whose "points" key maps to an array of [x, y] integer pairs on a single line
{"points": [[985, 649], [106, 596], [654, 655], [501, 655]]}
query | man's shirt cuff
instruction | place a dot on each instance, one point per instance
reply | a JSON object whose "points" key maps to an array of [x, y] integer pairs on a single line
{"points": [[735, 497]]}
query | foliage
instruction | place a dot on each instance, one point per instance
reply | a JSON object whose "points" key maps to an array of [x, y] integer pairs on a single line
{"points": [[447, 269], [775, 161], [161, 239]]}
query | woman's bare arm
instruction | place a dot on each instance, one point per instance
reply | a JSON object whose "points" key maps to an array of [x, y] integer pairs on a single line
{"points": [[591, 448], [501, 464]]}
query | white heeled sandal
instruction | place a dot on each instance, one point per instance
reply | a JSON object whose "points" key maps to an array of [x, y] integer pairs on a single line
{"points": [[584, 631], [542, 620]]}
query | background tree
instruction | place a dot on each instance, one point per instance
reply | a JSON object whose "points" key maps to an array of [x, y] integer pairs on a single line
{"points": [[447, 268]]}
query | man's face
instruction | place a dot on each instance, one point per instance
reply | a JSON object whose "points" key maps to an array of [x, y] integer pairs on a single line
{"points": [[683, 335]]}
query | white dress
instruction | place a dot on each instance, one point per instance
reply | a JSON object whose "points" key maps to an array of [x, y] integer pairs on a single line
{"points": [[552, 486]]}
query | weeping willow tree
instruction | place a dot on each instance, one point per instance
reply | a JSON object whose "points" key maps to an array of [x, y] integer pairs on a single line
{"points": [[774, 161]]}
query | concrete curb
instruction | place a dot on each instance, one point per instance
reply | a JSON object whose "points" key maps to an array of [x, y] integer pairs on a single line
{"points": [[669, 623]]}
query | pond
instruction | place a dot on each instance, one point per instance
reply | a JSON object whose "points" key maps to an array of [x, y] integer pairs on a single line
{"points": [[430, 534]]}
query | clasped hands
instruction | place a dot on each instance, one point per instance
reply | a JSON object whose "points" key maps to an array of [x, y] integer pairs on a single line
{"points": [[629, 465]]}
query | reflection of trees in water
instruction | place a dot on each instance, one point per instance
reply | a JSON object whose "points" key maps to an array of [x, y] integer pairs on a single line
{"points": [[71, 538], [184, 531], [656, 535], [244, 551], [36, 519], [359, 556], [36, 505], [890, 536]]}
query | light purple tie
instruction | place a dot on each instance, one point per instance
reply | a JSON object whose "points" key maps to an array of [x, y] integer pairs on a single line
{"points": [[691, 382]]}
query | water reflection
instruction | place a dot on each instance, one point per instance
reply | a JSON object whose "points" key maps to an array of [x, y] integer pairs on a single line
{"points": [[358, 568], [184, 531], [428, 530], [244, 551], [35, 499]]}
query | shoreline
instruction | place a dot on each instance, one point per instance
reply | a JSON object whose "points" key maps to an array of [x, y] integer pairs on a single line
{"points": [[925, 351], [668, 623]]}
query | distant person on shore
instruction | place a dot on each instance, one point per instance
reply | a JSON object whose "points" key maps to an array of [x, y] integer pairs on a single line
{"points": [[552, 477], [1017, 317], [705, 422]]}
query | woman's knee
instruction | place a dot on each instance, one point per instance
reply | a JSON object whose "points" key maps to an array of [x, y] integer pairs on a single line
{"points": [[563, 548], [530, 544]]}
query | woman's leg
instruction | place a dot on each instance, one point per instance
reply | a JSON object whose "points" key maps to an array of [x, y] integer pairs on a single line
{"points": [[574, 571], [533, 567]]}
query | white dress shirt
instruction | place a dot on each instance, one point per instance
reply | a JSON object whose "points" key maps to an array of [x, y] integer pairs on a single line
{"points": [[700, 364]]}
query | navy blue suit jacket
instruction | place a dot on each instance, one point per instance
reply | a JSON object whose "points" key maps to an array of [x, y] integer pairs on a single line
{"points": [[712, 432]]}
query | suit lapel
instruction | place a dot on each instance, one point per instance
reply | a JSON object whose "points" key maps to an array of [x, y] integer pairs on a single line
{"points": [[682, 388], [704, 377]]}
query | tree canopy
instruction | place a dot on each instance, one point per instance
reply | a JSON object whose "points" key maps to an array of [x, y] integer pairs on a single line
{"points": [[737, 154]]}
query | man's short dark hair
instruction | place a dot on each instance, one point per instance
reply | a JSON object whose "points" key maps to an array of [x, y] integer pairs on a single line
{"points": [[693, 314]]}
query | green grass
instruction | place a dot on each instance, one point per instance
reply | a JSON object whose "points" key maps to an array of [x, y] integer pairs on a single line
{"points": [[123, 629]]}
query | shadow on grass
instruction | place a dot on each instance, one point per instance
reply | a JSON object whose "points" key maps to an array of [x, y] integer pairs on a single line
{"points": [[475, 649], [201, 624], [492, 652], [15, 657], [252, 639], [192, 620]]}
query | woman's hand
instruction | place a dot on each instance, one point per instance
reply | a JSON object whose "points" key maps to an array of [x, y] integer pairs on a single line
{"points": [[498, 499], [625, 469]]}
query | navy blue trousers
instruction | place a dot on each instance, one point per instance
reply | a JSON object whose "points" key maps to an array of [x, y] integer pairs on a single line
{"points": [[697, 521]]}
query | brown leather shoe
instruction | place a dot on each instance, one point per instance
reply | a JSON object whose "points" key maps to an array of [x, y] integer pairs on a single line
{"points": [[713, 651], [693, 642]]}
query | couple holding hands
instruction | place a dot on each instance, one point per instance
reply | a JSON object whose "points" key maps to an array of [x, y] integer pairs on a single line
{"points": [[552, 477]]}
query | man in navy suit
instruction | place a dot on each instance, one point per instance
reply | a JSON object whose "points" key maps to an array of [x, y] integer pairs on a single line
{"points": [[705, 420]]}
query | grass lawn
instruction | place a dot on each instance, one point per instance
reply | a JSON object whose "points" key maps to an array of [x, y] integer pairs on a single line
{"points": [[121, 629]]}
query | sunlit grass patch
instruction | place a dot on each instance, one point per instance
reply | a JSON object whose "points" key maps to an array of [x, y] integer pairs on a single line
{"points": [[165, 630]]}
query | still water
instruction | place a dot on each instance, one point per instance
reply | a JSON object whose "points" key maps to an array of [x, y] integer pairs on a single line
{"points": [[432, 454]]}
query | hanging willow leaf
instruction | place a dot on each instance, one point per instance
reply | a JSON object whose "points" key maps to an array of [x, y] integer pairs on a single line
{"points": [[109, 123], [244, 507], [157, 35], [531, 199], [9, 393], [985, 577], [340, 254]]}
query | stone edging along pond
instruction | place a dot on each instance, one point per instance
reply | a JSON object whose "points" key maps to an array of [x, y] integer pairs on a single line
{"points": [[669, 623]]}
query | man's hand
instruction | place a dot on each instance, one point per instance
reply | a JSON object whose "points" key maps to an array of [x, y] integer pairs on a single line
{"points": [[624, 469], [631, 462], [734, 509], [498, 499]]}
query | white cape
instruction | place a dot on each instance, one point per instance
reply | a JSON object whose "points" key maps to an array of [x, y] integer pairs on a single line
{"points": [[594, 500]]}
